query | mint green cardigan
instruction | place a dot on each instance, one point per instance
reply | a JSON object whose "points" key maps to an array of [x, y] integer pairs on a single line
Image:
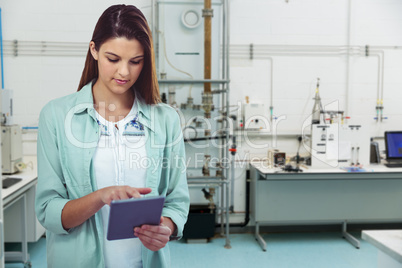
{"points": [[67, 138]]}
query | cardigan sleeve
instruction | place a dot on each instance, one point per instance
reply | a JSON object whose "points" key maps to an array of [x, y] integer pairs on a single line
{"points": [[51, 193], [177, 198]]}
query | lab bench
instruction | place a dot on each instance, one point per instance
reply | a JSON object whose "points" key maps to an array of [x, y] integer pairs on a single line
{"points": [[389, 245], [324, 196], [20, 222]]}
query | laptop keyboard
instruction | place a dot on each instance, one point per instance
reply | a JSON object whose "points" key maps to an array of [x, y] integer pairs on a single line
{"points": [[391, 165]]}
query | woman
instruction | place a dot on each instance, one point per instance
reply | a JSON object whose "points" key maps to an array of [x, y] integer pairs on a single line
{"points": [[111, 140]]}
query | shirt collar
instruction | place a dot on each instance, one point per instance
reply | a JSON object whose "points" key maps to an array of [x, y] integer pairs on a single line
{"points": [[144, 113], [84, 100]]}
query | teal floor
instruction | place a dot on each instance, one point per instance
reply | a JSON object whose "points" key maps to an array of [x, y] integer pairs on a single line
{"points": [[284, 250]]}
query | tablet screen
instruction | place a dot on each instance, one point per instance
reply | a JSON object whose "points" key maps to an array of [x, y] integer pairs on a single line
{"points": [[126, 214]]}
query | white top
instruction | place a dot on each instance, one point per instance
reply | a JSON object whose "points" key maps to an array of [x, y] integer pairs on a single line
{"points": [[120, 159]]}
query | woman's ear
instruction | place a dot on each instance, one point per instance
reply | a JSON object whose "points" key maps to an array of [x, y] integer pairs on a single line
{"points": [[93, 50]]}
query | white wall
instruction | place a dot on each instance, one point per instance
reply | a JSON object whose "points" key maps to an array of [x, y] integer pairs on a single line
{"points": [[322, 23], [35, 80]]}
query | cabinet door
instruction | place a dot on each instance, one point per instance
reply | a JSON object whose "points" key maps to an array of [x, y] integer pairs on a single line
{"points": [[1, 210], [12, 222]]}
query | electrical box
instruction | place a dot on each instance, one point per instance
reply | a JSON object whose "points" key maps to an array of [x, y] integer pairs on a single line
{"points": [[255, 116], [7, 107], [200, 223], [11, 153], [335, 145]]}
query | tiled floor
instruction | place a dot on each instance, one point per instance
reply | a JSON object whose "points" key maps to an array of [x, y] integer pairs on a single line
{"points": [[284, 250]]}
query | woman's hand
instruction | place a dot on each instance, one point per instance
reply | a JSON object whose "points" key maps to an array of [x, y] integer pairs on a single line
{"points": [[77, 211], [155, 237], [108, 194]]}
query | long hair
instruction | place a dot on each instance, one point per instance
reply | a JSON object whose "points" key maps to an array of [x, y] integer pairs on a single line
{"points": [[129, 22]]}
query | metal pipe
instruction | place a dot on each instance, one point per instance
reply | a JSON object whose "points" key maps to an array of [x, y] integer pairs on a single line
{"points": [[269, 48], [291, 46], [44, 55], [207, 182], [271, 107], [232, 180], [355, 50], [382, 73], [206, 138], [347, 68], [265, 54], [218, 178], [386, 47], [223, 88], [207, 101], [380, 92], [207, 14], [377, 108], [224, 44], [219, 91], [227, 74], [311, 54], [203, 185], [48, 43], [1, 52]]}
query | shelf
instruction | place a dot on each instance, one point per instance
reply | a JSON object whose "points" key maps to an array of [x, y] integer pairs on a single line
{"points": [[191, 81]]}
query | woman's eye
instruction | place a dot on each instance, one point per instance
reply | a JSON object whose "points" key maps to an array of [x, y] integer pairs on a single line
{"points": [[135, 62], [112, 60]]}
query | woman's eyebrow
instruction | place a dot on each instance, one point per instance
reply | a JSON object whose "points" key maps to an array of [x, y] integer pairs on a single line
{"points": [[112, 54]]}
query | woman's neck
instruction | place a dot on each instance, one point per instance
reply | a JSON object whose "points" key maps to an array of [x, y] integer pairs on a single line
{"points": [[112, 107]]}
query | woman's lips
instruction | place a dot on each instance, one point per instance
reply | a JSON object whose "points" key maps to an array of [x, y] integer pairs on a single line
{"points": [[121, 82]]}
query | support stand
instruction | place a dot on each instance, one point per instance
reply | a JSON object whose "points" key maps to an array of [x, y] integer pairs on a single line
{"points": [[349, 237], [259, 238]]}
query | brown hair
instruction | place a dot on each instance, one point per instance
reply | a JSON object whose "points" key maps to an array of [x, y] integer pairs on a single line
{"points": [[129, 22]]}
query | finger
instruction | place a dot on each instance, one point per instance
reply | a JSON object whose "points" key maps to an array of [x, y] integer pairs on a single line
{"points": [[150, 236], [153, 243], [113, 196], [122, 195], [150, 240], [107, 195], [161, 220], [108, 201], [137, 192], [144, 190], [152, 230], [151, 246], [134, 193]]}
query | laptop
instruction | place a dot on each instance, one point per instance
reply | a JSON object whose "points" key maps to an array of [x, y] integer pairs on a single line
{"points": [[393, 148]]}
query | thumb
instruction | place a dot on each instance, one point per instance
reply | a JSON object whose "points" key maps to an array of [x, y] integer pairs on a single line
{"points": [[161, 220]]}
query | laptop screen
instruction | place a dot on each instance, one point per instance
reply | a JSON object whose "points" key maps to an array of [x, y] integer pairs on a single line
{"points": [[393, 144]]}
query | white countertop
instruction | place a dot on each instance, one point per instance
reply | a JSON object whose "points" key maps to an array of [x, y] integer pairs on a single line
{"points": [[388, 241], [265, 168], [27, 175]]}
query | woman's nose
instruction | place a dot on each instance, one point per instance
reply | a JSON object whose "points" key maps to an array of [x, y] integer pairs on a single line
{"points": [[123, 70]]}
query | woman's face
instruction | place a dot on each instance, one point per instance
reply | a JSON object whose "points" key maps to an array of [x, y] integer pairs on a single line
{"points": [[120, 62]]}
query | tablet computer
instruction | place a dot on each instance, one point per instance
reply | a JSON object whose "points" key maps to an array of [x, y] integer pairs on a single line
{"points": [[126, 214]]}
